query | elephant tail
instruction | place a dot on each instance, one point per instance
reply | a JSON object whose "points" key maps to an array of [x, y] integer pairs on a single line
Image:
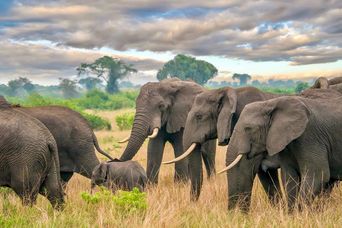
{"points": [[54, 151], [96, 144]]}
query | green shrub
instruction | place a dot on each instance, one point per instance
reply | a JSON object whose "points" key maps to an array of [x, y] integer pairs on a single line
{"points": [[133, 201], [36, 99], [125, 121]]}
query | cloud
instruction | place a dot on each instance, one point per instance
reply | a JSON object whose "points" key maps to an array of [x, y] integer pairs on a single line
{"points": [[50, 63], [301, 32]]}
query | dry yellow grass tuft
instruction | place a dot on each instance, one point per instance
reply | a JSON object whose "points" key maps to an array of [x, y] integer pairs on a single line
{"points": [[168, 203]]}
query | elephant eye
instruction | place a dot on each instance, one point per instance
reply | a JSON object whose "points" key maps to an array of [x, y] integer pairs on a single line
{"points": [[198, 116]]}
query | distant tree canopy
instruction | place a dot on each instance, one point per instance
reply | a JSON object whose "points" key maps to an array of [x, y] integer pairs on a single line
{"points": [[109, 69], [187, 67], [21, 83], [301, 86], [243, 78], [68, 87], [89, 83]]}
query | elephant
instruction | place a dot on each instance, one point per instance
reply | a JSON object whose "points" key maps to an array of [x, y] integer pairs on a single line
{"points": [[161, 111], [304, 133], [29, 161], [324, 83], [118, 174], [214, 114], [75, 139]]}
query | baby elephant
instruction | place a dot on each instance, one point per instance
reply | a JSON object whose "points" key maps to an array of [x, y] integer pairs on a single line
{"points": [[118, 174]]}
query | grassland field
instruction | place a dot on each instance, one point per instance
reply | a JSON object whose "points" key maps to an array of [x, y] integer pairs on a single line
{"points": [[168, 203]]}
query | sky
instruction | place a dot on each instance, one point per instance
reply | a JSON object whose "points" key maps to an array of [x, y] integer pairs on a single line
{"points": [[47, 40]]}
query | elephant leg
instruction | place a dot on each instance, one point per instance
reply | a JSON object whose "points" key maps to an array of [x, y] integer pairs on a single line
{"points": [[329, 187], [181, 167], [208, 154], [270, 183], [155, 150], [52, 186], [291, 182]]}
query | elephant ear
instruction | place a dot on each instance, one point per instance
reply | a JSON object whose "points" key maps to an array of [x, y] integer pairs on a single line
{"points": [[102, 171], [182, 94], [321, 83], [288, 120], [226, 110]]}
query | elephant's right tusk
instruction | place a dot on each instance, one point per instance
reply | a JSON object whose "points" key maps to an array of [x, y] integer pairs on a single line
{"points": [[154, 133], [184, 155], [237, 159], [124, 140]]}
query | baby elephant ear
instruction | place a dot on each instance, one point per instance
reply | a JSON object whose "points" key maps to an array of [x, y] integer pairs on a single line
{"points": [[226, 110], [288, 119]]}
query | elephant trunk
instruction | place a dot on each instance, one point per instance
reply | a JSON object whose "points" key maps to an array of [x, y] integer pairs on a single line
{"points": [[139, 133], [240, 181], [195, 171]]}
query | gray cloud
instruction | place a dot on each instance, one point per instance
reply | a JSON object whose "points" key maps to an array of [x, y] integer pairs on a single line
{"points": [[302, 32]]}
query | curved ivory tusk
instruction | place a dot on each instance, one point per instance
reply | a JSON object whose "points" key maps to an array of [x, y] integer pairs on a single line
{"points": [[184, 155], [237, 159], [124, 140], [154, 133]]}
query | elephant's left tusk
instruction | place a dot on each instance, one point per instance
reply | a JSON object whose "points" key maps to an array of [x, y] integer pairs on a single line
{"points": [[154, 133], [184, 155], [237, 159], [124, 140]]}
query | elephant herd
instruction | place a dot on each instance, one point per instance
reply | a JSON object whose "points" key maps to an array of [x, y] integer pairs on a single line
{"points": [[41, 147], [300, 134]]}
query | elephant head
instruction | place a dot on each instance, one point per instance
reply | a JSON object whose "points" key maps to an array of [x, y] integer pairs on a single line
{"points": [[99, 175], [321, 83], [163, 104], [263, 126]]}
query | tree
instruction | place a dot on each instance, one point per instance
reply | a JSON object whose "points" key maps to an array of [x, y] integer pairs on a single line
{"points": [[243, 78], [68, 87], [20, 83], [109, 69], [186, 67], [89, 83], [301, 86]]}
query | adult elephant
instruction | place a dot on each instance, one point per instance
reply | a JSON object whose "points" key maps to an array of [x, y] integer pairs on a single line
{"points": [[305, 133], [75, 139], [29, 161], [161, 111], [324, 83], [214, 115]]}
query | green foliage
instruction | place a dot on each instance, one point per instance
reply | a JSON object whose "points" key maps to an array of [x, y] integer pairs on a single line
{"points": [[278, 90], [133, 201], [68, 87], [97, 99], [186, 67], [301, 86], [21, 83], [89, 83], [125, 121], [109, 69], [35, 99]]}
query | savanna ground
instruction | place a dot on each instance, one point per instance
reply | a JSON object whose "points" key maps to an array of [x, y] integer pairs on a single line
{"points": [[168, 204]]}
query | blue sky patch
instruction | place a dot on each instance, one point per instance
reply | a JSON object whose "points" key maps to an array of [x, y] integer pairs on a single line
{"points": [[5, 5]]}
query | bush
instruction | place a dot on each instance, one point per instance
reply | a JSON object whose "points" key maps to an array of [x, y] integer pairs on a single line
{"points": [[134, 201], [125, 121], [35, 99]]}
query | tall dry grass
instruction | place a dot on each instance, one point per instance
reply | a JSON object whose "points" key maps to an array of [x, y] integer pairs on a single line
{"points": [[168, 203]]}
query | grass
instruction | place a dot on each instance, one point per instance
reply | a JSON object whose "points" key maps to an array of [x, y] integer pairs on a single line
{"points": [[168, 203]]}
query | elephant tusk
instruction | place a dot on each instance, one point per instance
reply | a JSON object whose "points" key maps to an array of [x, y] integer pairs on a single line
{"points": [[154, 133], [184, 155], [237, 159], [124, 140]]}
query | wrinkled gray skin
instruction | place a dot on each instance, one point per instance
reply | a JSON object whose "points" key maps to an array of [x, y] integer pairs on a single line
{"points": [[119, 175], [305, 133], [165, 105], [29, 161], [214, 115], [74, 137], [324, 83]]}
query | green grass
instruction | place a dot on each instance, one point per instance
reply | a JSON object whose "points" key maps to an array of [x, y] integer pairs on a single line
{"points": [[125, 121]]}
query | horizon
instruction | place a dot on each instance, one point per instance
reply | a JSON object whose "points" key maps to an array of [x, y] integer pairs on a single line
{"points": [[288, 40]]}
